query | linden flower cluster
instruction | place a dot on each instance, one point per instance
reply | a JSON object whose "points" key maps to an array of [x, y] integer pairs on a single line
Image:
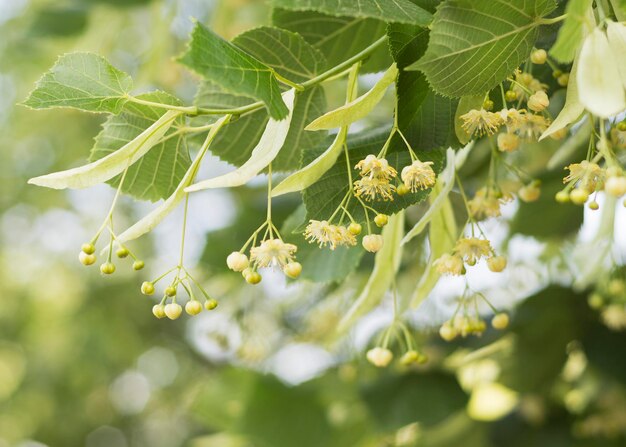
{"points": [[586, 178], [87, 257], [486, 203], [464, 325], [469, 251], [332, 236], [375, 181], [270, 253]]}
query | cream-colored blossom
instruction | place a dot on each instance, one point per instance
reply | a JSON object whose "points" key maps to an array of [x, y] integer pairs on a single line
{"points": [[481, 122], [471, 249], [418, 175], [374, 167], [449, 264], [486, 203], [589, 174], [374, 188], [323, 233], [273, 253], [531, 126]]}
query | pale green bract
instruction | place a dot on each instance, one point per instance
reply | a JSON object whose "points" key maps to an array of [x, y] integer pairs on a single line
{"points": [[466, 103], [357, 109], [474, 45], [600, 87], [106, 168], [572, 109], [616, 33], [265, 151], [149, 222], [386, 266], [312, 172], [233, 69], [402, 11], [83, 81], [574, 29]]}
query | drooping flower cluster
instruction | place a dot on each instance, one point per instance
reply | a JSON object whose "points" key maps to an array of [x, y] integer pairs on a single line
{"points": [[375, 182], [469, 251], [270, 253], [324, 234], [487, 202], [418, 175]]}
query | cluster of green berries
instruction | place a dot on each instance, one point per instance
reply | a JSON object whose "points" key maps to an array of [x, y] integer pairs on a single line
{"points": [[87, 257]]}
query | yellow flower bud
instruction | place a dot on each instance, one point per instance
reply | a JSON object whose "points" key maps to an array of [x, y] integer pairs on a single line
{"points": [[538, 101], [355, 228], [616, 186], [372, 242], [293, 269], [508, 142], [147, 288], [496, 263], [539, 57], [158, 310], [193, 307], [237, 261], [500, 321], [86, 259], [173, 310], [379, 357], [381, 220], [447, 332]]}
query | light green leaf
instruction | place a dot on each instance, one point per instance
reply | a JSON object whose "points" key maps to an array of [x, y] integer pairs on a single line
{"points": [[572, 109], [312, 172], [113, 164], [82, 81], [386, 266], [233, 69], [579, 20], [616, 33], [266, 150], [442, 236], [476, 44], [466, 103], [149, 222], [402, 11], [440, 191], [157, 173], [338, 38], [357, 109], [600, 87], [619, 7]]}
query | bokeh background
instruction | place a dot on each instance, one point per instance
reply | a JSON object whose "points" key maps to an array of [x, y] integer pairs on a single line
{"points": [[84, 363]]}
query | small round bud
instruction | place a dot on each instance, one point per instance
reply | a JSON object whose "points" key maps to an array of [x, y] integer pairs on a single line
{"points": [[107, 268], [381, 220], [193, 307], [539, 57], [372, 242], [593, 205], [447, 332], [562, 197], [538, 101], [237, 261], [173, 310], [210, 304], [138, 265], [510, 96], [122, 252], [253, 277], [595, 300], [615, 186], [556, 73], [500, 321], [88, 248], [147, 288], [496, 263], [292, 270], [379, 357], [563, 80], [86, 259], [409, 358], [578, 196], [402, 190], [616, 287], [508, 142], [355, 228], [488, 105], [525, 78], [158, 310], [170, 291], [622, 126], [529, 193]]}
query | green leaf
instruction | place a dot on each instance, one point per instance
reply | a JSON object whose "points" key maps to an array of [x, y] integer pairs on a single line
{"points": [[83, 81], [572, 109], [579, 17], [407, 43], [619, 7], [402, 11], [149, 222], [157, 173], [476, 44], [263, 154], [338, 38], [113, 164], [324, 196], [320, 264], [386, 266], [296, 58], [357, 109], [233, 69]]}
